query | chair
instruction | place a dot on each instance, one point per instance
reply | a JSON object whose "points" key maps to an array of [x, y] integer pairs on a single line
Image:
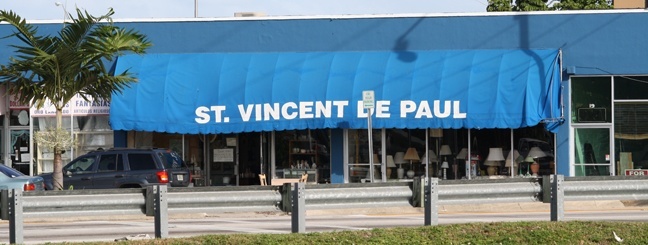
{"points": [[262, 179], [304, 178]]}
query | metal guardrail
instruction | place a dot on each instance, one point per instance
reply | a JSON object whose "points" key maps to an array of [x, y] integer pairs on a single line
{"points": [[223, 199], [463, 192], [159, 201], [355, 195], [606, 188], [557, 189]]}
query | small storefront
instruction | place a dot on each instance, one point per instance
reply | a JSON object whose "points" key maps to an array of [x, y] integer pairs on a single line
{"points": [[86, 121]]}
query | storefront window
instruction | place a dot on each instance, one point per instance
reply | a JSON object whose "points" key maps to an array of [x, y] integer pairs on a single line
{"points": [[591, 99], [592, 151], [359, 155], [631, 136], [631, 88], [45, 156], [303, 151], [405, 148], [94, 133], [19, 117]]}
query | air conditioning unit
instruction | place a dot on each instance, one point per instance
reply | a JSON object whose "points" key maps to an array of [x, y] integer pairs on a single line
{"points": [[591, 115], [249, 14]]}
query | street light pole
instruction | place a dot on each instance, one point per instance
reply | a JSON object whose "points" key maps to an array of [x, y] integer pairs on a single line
{"points": [[195, 8], [63, 6]]}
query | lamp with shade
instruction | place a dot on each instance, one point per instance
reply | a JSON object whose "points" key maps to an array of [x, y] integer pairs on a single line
{"points": [[411, 155], [528, 161], [535, 153], [376, 161], [390, 165], [432, 158], [399, 158], [462, 155], [445, 152], [444, 166], [512, 161], [493, 160]]}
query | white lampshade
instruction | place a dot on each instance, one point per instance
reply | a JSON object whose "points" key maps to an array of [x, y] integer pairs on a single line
{"points": [[375, 172], [433, 157], [444, 165], [411, 155], [536, 152], [463, 154], [445, 150], [399, 158], [529, 159], [514, 157], [495, 154], [390, 161]]}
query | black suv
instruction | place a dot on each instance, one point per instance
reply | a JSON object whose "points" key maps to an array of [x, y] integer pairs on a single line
{"points": [[123, 168]]}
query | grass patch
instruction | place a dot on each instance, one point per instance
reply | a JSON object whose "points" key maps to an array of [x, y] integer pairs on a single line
{"points": [[570, 232]]}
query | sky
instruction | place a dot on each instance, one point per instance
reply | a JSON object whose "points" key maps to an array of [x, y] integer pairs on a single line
{"points": [[146, 9]]}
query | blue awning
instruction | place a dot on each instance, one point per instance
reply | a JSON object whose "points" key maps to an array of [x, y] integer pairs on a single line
{"points": [[243, 92]]}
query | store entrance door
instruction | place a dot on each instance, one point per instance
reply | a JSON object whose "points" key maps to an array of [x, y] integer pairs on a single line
{"points": [[20, 155], [250, 158], [235, 158]]}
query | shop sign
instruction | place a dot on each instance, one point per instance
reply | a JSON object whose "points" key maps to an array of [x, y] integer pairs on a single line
{"points": [[636, 172], [15, 105], [77, 106]]}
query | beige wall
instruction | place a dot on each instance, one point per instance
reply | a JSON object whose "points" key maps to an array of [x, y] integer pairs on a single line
{"points": [[629, 4]]}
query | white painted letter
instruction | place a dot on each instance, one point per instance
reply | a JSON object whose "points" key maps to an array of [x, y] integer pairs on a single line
{"points": [[245, 113], [446, 109], [407, 106], [321, 109], [424, 110], [306, 109], [382, 109], [340, 107], [285, 113], [457, 110], [202, 116], [270, 111], [361, 111]]}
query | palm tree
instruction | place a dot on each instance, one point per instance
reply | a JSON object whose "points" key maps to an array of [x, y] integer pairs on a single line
{"points": [[56, 68]]}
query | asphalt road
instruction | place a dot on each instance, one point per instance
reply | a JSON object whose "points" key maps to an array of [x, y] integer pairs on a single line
{"points": [[98, 230]]}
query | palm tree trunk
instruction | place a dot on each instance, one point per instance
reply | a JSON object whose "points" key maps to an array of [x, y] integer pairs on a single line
{"points": [[57, 176]]}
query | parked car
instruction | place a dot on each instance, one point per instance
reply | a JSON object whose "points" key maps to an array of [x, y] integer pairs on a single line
{"points": [[13, 179], [123, 168]]}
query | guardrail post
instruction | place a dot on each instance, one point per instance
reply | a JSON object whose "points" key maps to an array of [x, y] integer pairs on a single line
{"points": [[418, 191], [286, 197], [4, 205], [298, 214], [161, 214], [432, 201], [15, 216], [149, 201], [546, 189], [557, 198]]}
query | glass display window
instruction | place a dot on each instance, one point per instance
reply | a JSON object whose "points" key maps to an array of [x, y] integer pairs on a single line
{"points": [[303, 151], [591, 99]]}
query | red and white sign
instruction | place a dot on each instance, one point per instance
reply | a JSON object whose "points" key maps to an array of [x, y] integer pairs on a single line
{"points": [[636, 172]]}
